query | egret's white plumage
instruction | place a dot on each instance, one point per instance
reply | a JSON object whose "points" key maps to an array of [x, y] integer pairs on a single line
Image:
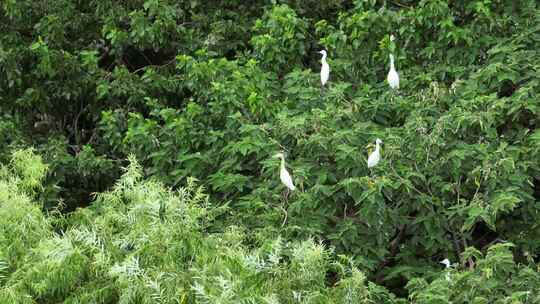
{"points": [[446, 262], [325, 68], [284, 175], [375, 156], [393, 77]]}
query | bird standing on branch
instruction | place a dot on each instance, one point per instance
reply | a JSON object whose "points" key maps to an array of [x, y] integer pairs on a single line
{"points": [[284, 175], [393, 77], [325, 68], [375, 156]]}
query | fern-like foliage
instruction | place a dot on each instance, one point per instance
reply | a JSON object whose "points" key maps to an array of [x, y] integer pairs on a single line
{"points": [[143, 243]]}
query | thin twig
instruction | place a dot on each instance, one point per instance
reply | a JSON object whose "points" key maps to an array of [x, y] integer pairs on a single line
{"points": [[400, 4], [153, 66], [286, 215]]}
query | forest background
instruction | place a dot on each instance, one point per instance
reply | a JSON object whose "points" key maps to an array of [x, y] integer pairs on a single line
{"points": [[136, 144]]}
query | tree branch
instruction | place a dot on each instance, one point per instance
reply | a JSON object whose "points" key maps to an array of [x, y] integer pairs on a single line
{"points": [[393, 251]]}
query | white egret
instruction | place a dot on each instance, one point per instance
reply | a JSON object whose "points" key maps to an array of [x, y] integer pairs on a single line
{"points": [[284, 174], [446, 262], [375, 156], [325, 68], [393, 77]]}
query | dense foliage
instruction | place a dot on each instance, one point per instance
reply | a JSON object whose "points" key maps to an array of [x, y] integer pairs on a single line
{"points": [[203, 93], [143, 243]]}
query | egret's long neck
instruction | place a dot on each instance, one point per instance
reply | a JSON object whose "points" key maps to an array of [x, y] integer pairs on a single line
{"points": [[282, 163], [323, 60], [392, 63], [377, 146]]}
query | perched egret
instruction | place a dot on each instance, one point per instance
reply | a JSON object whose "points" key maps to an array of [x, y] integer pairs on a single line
{"points": [[325, 68], [284, 174], [393, 77], [447, 264], [375, 156]]}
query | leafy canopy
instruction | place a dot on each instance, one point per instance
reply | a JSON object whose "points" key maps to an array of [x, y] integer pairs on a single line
{"points": [[212, 89]]}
